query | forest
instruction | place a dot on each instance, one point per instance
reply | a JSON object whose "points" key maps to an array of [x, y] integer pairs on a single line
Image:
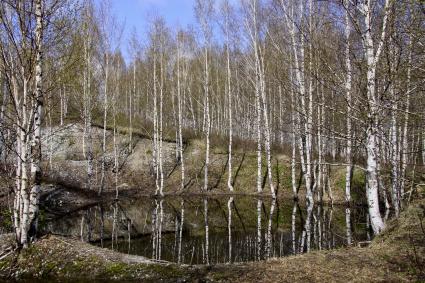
{"points": [[264, 130]]}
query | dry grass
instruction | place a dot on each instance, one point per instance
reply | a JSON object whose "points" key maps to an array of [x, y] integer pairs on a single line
{"points": [[398, 255]]}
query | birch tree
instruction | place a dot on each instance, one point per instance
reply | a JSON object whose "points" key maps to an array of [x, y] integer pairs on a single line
{"points": [[349, 168], [26, 31], [372, 52], [204, 11], [110, 32], [226, 11]]}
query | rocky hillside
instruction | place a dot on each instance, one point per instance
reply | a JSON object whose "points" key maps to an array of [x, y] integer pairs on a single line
{"points": [[66, 165]]}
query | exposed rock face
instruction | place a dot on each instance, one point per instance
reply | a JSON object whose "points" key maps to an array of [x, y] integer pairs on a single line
{"points": [[66, 164]]}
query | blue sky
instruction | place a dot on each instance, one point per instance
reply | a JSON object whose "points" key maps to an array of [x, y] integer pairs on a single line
{"points": [[136, 14]]}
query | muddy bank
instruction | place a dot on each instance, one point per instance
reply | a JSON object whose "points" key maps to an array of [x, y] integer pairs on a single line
{"points": [[397, 255]]}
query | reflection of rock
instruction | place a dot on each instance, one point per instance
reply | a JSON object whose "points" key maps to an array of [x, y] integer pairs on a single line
{"points": [[68, 212], [139, 215]]}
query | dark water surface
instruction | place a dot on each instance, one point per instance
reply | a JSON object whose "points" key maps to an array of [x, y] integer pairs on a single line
{"points": [[198, 230]]}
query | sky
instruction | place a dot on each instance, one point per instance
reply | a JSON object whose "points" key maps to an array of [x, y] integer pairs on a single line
{"points": [[136, 14]]}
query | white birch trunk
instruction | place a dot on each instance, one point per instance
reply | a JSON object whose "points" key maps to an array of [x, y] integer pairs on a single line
{"points": [[229, 109], [395, 157], [105, 117], [293, 145], [349, 167], [180, 119], [371, 132], [404, 150], [207, 121], [161, 106]]}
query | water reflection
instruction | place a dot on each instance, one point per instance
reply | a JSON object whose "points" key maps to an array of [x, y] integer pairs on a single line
{"points": [[229, 227], [294, 228], [348, 224], [213, 230]]}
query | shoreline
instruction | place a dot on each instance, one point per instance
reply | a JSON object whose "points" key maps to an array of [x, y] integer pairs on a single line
{"points": [[71, 259]]}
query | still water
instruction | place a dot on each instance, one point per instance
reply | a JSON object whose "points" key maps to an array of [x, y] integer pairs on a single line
{"points": [[200, 230]]}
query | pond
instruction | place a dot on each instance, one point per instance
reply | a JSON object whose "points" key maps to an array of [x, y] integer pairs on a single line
{"points": [[197, 230]]}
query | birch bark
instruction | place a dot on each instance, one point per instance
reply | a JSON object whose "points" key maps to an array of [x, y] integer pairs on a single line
{"points": [[372, 58], [349, 167]]}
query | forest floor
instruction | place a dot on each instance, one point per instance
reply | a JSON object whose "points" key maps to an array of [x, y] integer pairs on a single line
{"points": [[397, 255]]}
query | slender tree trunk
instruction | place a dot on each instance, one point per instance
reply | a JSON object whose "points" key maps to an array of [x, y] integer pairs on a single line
{"points": [[404, 150], [161, 122], [229, 109], [349, 167], [180, 118], [395, 157], [266, 123], [372, 130], [207, 121], [105, 118], [131, 107], [293, 145], [155, 127], [30, 213]]}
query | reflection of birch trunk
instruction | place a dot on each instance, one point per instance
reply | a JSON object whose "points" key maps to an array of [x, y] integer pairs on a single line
{"points": [[114, 224], [229, 226], [82, 227], [154, 230], [161, 220], [207, 260], [367, 227], [319, 226], [308, 226], [330, 238], [259, 236], [129, 223], [179, 253], [102, 226], [348, 225], [269, 229], [293, 229]]}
